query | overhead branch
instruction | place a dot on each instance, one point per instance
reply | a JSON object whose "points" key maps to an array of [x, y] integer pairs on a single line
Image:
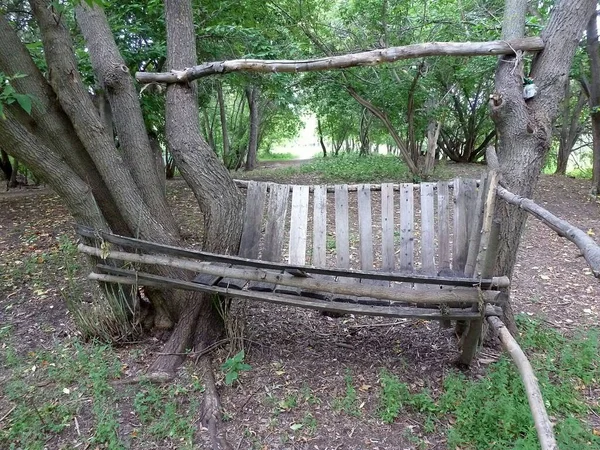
{"points": [[588, 247], [369, 58]]}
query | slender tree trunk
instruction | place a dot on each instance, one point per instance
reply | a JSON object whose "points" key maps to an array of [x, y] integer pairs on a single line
{"points": [[252, 96], [525, 127], [12, 181], [224, 130], [5, 165], [570, 130], [594, 86], [321, 139]]}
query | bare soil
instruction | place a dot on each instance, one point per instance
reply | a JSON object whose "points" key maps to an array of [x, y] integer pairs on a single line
{"points": [[301, 360]]}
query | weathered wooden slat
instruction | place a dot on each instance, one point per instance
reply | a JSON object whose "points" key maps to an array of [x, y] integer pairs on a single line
{"points": [[319, 253], [298, 225], [475, 228], [434, 296], [365, 227], [344, 308], [443, 225], [406, 227], [275, 227], [388, 255], [342, 237], [251, 233], [206, 257], [427, 229], [460, 244]]}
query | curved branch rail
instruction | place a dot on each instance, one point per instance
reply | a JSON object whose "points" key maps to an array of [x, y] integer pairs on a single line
{"points": [[369, 58], [589, 249]]}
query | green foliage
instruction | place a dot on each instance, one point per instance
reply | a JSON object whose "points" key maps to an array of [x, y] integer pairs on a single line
{"points": [[349, 402], [269, 156], [8, 94], [233, 366]]}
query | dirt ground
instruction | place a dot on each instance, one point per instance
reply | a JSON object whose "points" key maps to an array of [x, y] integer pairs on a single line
{"points": [[302, 355]]}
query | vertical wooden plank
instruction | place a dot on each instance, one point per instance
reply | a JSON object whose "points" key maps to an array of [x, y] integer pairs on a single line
{"points": [[443, 226], [474, 227], [275, 227], [365, 227], [459, 250], [427, 229], [406, 227], [342, 244], [470, 186], [319, 253], [255, 205], [299, 225], [388, 263]]}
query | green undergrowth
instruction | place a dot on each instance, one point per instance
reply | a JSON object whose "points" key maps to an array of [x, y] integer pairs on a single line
{"points": [[67, 395], [357, 169], [263, 157], [493, 412]]}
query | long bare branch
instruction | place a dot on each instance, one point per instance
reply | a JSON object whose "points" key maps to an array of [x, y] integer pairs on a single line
{"points": [[369, 58]]}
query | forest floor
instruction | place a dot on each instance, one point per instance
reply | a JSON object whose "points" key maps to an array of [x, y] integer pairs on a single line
{"points": [[315, 382]]}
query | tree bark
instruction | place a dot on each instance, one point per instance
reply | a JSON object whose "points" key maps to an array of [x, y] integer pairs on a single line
{"points": [[50, 123], [252, 96], [525, 127], [118, 86], [594, 99], [374, 57], [321, 138]]}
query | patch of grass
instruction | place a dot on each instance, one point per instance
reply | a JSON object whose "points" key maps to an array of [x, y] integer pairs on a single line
{"points": [[351, 168], [48, 387], [581, 173], [493, 413], [276, 156], [349, 402]]}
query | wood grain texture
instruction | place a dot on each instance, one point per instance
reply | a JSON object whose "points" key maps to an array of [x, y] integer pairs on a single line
{"points": [[275, 227], [319, 253], [342, 237], [406, 227], [388, 255], [253, 216], [427, 229], [365, 227], [298, 225], [443, 225]]}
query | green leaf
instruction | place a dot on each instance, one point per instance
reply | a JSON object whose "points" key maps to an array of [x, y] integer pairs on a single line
{"points": [[2, 111], [230, 378], [296, 426], [24, 102]]}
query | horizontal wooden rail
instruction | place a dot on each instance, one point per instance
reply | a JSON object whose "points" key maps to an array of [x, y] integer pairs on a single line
{"points": [[493, 283], [144, 279], [431, 296]]}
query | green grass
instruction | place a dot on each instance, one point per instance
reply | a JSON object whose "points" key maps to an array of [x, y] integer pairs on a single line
{"points": [[276, 157], [357, 169], [493, 413]]}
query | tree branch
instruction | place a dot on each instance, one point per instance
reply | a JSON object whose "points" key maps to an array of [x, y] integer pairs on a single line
{"points": [[368, 58]]}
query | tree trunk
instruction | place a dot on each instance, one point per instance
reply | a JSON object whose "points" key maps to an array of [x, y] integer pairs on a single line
{"points": [[525, 127], [594, 87], [224, 130], [5, 165], [252, 96], [321, 139], [12, 181], [570, 130]]}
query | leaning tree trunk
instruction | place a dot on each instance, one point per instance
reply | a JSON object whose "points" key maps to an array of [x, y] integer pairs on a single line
{"points": [[570, 130], [525, 127], [224, 129], [594, 87]]}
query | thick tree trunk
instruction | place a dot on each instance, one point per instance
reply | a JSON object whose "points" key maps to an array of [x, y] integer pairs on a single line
{"points": [[525, 128], [594, 87], [214, 189], [51, 124], [118, 86], [252, 96], [12, 181]]}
